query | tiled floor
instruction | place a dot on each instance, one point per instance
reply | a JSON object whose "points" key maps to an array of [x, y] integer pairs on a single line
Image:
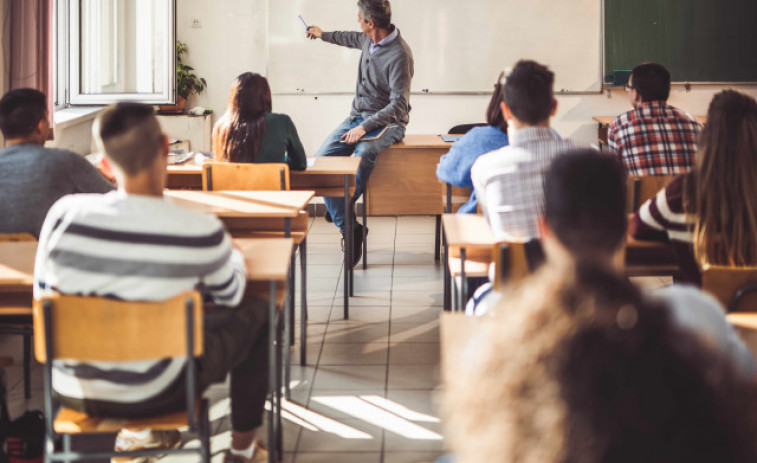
{"points": [[367, 393]]}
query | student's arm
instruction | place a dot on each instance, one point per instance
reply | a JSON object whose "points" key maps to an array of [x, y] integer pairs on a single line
{"points": [[613, 140], [400, 75], [225, 284], [295, 151], [477, 178], [455, 166], [655, 218], [53, 220], [345, 39], [85, 177]]}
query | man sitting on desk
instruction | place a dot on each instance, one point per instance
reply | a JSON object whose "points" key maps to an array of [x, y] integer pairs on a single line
{"points": [[134, 245], [654, 138], [33, 177], [381, 100], [509, 181]]}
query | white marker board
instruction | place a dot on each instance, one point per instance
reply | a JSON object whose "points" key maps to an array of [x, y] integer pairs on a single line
{"points": [[458, 46]]}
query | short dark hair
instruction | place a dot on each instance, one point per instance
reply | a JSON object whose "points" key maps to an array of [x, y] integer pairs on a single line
{"points": [[20, 112], [494, 116], [528, 92], [652, 81], [378, 11], [129, 134], [585, 203]]}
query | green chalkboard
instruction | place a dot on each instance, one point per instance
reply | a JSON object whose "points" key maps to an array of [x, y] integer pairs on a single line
{"points": [[697, 40]]}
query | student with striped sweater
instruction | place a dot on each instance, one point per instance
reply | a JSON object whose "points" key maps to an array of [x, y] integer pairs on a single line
{"points": [[133, 244], [710, 214]]}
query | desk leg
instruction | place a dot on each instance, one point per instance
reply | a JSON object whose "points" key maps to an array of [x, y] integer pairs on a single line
{"points": [[463, 280], [303, 303], [272, 370], [347, 246], [365, 227]]}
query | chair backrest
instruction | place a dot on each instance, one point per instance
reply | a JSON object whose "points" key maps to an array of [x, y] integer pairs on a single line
{"points": [[15, 237], [513, 261], [462, 129], [734, 287], [245, 176], [108, 330], [642, 188]]}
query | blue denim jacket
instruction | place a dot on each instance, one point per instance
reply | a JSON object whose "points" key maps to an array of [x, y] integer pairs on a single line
{"points": [[454, 167]]}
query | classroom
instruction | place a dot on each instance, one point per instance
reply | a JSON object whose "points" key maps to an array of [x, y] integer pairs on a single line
{"points": [[575, 312]]}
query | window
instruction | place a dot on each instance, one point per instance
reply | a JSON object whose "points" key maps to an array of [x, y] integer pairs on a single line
{"points": [[115, 50]]}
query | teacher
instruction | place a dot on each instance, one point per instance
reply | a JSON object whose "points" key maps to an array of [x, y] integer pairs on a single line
{"points": [[382, 100]]}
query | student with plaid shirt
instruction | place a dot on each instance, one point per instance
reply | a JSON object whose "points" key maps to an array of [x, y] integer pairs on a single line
{"points": [[654, 138]]}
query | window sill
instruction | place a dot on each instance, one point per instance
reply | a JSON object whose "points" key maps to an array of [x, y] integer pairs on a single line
{"points": [[71, 116]]}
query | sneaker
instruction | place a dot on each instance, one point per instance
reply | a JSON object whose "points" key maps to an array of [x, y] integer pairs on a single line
{"points": [[259, 455], [155, 440]]}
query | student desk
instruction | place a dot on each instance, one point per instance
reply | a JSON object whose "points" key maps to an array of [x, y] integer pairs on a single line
{"points": [[325, 176], [267, 261], [604, 121]]}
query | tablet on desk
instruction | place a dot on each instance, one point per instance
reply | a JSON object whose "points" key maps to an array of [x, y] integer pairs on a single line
{"points": [[372, 135], [451, 138]]}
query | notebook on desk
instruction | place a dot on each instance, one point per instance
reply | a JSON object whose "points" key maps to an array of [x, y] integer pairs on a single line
{"points": [[451, 138]]}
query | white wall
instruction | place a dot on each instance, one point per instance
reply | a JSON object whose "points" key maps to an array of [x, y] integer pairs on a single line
{"points": [[231, 41]]}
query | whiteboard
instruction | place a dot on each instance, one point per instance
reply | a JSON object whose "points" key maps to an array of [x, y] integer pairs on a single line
{"points": [[458, 46]]}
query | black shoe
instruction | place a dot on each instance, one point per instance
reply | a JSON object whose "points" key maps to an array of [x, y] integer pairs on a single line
{"points": [[327, 216], [357, 243]]}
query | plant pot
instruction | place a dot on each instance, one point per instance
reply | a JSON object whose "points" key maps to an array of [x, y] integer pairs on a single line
{"points": [[177, 108]]}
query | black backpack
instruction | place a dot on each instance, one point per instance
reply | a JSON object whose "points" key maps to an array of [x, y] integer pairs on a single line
{"points": [[21, 440]]}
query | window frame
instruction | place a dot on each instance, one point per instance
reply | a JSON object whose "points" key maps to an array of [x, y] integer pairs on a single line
{"points": [[69, 72]]}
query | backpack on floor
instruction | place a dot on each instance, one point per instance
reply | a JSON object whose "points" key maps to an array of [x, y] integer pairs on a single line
{"points": [[21, 440]]}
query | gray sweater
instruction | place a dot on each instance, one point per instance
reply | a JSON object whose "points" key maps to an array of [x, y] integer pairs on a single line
{"points": [[32, 178], [382, 95]]}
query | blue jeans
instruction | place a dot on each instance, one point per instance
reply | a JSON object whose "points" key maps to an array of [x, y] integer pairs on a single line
{"points": [[367, 151]]}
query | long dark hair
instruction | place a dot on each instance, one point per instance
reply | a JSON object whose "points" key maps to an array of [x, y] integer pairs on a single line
{"points": [[237, 136], [494, 116]]}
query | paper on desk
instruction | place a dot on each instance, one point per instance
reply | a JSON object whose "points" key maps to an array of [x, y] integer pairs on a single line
{"points": [[310, 162]]}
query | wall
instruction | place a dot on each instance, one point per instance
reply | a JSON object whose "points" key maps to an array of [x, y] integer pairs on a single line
{"points": [[232, 40]]}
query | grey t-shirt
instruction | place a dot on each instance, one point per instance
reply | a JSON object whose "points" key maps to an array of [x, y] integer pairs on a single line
{"points": [[33, 177]]}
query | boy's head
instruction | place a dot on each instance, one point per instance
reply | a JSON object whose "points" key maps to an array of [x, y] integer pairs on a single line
{"points": [[585, 204], [130, 137], [528, 93], [23, 116]]}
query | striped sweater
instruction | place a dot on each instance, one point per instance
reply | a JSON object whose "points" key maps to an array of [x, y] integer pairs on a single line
{"points": [[138, 248], [663, 218]]}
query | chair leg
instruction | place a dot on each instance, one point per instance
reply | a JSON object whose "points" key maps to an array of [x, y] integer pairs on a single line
{"points": [[205, 431], [27, 365], [438, 238]]}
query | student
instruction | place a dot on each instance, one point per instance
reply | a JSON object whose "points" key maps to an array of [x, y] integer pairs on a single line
{"points": [[709, 215], [654, 138], [382, 99], [579, 367], [134, 245], [508, 182], [455, 166], [250, 132], [33, 177]]}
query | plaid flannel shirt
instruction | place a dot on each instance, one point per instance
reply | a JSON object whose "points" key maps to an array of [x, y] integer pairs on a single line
{"points": [[509, 182], [655, 139]]}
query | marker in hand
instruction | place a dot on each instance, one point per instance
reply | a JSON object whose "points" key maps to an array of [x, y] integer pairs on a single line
{"points": [[303, 22]]}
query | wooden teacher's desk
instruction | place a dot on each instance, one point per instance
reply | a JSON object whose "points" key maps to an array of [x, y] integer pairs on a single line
{"points": [[604, 121]]}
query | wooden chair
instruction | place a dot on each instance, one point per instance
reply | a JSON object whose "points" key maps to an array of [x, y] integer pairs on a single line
{"points": [[245, 176], [734, 287], [16, 316], [93, 329], [642, 188], [514, 261]]}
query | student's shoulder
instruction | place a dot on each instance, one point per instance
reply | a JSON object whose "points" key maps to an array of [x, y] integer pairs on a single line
{"points": [[278, 118], [622, 120], [680, 114]]}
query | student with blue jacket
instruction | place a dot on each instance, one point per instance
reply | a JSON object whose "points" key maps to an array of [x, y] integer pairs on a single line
{"points": [[454, 167]]}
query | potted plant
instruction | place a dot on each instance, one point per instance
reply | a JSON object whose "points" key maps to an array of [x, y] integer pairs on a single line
{"points": [[187, 82]]}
